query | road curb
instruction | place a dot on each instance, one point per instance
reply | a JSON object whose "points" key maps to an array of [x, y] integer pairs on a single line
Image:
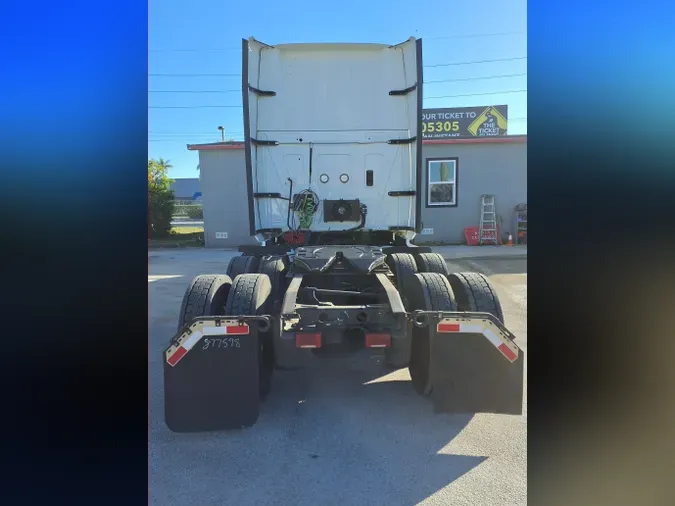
{"points": [[176, 246], [487, 257], [522, 256]]}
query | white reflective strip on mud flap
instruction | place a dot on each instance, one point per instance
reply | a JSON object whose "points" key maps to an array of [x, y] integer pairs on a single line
{"points": [[173, 357], [470, 328], [214, 331], [504, 345], [508, 349], [492, 337], [192, 339]]}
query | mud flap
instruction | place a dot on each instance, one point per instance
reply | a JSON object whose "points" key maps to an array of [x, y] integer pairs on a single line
{"points": [[475, 365], [211, 374]]}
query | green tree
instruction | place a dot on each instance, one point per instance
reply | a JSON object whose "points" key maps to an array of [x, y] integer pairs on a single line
{"points": [[160, 197], [158, 174]]}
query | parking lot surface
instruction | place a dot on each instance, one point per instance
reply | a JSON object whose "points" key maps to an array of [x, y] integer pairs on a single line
{"points": [[343, 431]]}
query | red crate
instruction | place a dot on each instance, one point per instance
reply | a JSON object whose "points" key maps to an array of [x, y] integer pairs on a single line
{"points": [[471, 235]]}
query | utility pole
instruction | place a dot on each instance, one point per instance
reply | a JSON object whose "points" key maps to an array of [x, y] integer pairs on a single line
{"points": [[222, 134]]}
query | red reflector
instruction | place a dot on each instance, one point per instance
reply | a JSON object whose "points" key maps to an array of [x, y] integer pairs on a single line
{"points": [[506, 351], [303, 340], [378, 340], [237, 329], [175, 358], [448, 327]]}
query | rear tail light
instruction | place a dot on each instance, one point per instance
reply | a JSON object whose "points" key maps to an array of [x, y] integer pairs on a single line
{"points": [[304, 340], [378, 340]]}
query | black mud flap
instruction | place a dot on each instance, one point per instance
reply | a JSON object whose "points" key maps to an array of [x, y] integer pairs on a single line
{"points": [[211, 374], [475, 365]]}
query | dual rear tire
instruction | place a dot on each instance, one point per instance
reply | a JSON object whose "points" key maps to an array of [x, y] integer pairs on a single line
{"points": [[262, 292], [405, 265], [425, 283], [242, 264], [246, 295]]}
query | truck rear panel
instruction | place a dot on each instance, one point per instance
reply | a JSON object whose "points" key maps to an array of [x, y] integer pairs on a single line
{"points": [[339, 119]]}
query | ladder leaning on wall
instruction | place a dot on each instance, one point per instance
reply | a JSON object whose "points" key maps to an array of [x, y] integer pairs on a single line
{"points": [[487, 233]]}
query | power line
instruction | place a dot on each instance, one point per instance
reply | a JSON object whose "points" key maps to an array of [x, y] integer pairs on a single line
{"points": [[426, 66], [235, 133], [194, 75], [194, 106], [193, 134], [195, 138], [193, 50], [477, 94], [194, 91], [464, 36], [474, 62], [238, 90], [175, 137], [468, 36], [474, 78], [239, 106]]}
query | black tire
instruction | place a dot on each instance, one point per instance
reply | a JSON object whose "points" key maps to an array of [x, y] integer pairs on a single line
{"points": [[206, 295], [242, 265], [404, 267], [275, 268], [474, 292], [248, 296], [429, 291], [431, 262]]}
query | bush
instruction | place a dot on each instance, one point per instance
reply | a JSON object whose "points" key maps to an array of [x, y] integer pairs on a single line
{"points": [[161, 212], [160, 197]]}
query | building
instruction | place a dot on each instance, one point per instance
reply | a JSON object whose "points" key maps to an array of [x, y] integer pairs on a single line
{"points": [[471, 167], [186, 188]]}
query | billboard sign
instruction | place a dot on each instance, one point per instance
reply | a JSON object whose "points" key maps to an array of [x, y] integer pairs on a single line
{"points": [[465, 122]]}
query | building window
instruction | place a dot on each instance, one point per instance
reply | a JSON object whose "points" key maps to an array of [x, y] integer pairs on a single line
{"points": [[442, 182]]}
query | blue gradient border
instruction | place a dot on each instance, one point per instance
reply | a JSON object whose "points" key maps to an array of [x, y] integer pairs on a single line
{"points": [[74, 137], [73, 124]]}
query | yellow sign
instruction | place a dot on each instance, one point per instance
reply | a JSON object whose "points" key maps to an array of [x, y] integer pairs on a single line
{"points": [[440, 126], [490, 121], [465, 122]]}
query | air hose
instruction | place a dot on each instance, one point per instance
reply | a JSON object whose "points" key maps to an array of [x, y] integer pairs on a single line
{"points": [[305, 207]]}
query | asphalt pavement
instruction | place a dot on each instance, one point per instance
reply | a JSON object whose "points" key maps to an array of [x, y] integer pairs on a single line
{"points": [[343, 431]]}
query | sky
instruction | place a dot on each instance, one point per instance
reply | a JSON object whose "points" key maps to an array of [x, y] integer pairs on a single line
{"points": [[204, 37]]}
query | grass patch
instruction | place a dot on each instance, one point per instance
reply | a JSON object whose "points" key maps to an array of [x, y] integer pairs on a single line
{"points": [[181, 237], [186, 230]]}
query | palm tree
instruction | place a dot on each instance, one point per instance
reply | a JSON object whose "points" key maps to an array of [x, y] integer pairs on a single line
{"points": [[164, 164], [158, 173]]}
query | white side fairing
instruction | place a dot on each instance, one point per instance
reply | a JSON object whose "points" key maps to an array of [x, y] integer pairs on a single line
{"points": [[329, 118]]}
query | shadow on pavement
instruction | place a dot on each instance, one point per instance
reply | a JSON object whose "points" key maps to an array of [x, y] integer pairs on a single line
{"points": [[343, 431], [489, 266], [325, 436]]}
